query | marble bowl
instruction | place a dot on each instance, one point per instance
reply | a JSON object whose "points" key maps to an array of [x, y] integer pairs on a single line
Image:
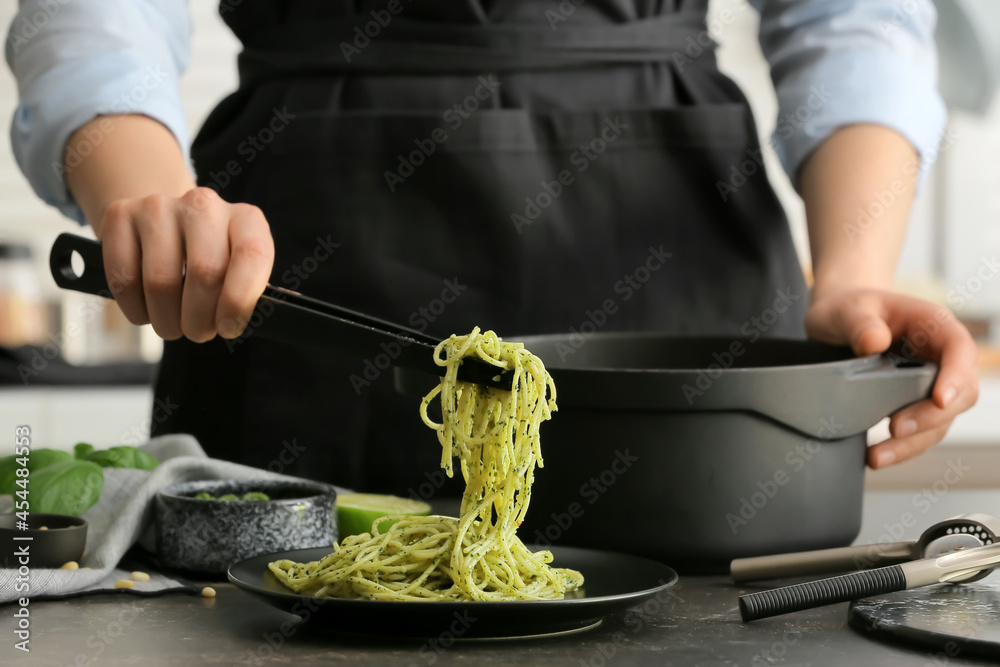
{"points": [[207, 536]]}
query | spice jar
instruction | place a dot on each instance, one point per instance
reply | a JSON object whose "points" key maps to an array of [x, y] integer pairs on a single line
{"points": [[23, 311]]}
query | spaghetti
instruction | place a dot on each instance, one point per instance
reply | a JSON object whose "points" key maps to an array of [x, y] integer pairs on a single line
{"points": [[477, 556]]}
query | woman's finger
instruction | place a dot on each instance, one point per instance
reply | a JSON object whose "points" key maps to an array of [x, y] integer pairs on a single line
{"points": [[927, 415], [206, 246], [895, 450], [957, 353], [865, 329], [162, 264], [857, 320], [123, 261], [250, 262]]}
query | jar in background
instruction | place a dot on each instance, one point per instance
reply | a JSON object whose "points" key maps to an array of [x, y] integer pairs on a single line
{"points": [[24, 314]]}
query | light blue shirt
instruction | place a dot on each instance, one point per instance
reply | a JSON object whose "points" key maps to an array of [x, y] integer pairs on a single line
{"points": [[833, 63]]}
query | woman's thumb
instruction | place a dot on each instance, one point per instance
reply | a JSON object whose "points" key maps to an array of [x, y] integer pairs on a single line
{"points": [[854, 322], [865, 330]]}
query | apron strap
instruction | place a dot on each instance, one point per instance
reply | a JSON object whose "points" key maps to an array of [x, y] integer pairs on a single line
{"points": [[350, 44]]}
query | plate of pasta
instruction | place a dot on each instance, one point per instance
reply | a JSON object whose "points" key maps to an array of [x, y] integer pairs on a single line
{"points": [[614, 582], [423, 572]]}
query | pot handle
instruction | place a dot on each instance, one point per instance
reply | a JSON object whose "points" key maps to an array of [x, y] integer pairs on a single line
{"points": [[892, 384], [839, 400]]}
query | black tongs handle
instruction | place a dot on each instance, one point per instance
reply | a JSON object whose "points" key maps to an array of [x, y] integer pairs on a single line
{"points": [[289, 317]]}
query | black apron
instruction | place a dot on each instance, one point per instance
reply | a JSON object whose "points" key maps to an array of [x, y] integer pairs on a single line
{"points": [[527, 167]]}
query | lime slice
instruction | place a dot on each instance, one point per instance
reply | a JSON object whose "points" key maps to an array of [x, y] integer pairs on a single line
{"points": [[357, 511]]}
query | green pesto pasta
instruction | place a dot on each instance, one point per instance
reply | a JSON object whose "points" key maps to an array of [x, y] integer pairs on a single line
{"points": [[478, 556]]}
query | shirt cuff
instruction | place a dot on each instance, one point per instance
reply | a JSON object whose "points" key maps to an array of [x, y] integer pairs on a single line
{"points": [[71, 94], [853, 87]]}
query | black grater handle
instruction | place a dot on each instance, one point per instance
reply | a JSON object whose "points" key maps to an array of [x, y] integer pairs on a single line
{"points": [[812, 594]]}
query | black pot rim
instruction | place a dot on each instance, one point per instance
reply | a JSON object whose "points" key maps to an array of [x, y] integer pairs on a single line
{"points": [[723, 342]]}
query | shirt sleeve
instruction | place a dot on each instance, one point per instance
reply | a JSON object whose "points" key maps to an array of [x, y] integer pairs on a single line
{"points": [[77, 59], [840, 62]]}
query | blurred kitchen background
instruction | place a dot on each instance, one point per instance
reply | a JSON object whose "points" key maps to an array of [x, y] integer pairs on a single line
{"points": [[953, 235]]}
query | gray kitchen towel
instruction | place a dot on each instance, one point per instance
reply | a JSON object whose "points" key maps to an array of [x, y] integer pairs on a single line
{"points": [[123, 517]]}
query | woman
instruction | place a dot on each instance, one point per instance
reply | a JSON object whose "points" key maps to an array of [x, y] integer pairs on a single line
{"points": [[521, 166]]}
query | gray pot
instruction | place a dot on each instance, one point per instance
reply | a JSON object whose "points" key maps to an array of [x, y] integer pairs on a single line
{"points": [[207, 536], [698, 451]]}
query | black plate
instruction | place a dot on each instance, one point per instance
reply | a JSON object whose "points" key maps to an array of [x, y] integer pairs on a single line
{"points": [[613, 582]]}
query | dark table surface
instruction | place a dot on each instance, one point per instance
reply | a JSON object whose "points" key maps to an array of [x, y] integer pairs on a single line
{"points": [[698, 624]]}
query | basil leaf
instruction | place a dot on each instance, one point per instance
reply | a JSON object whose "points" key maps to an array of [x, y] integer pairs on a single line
{"points": [[70, 487], [37, 459], [123, 457], [82, 450]]}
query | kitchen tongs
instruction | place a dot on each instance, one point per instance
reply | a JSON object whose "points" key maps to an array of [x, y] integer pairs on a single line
{"points": [[289, 317], [952, 567], [960, 532]]}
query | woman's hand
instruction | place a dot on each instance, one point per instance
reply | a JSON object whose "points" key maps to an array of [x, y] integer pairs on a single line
{"points": [[870, 321], [183, 258], [191, 266]]}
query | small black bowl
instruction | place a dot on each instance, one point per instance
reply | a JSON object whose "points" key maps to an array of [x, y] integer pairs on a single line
{"points": [[207, 536], [64, 540]]}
